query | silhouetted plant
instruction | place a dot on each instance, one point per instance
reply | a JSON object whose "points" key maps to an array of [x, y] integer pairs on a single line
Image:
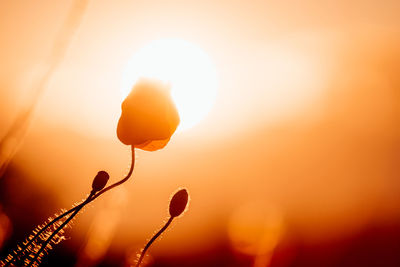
{"points": [[177, 206], [148, 120]]}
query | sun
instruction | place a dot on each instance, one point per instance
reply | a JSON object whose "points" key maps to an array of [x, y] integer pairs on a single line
{"points": [[186, 67]]}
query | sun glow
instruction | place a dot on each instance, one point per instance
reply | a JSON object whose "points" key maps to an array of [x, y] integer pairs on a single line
{"points": [[186, 67]]}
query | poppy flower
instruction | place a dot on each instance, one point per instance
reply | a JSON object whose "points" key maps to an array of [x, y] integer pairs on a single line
{"points": [[149, 116]]}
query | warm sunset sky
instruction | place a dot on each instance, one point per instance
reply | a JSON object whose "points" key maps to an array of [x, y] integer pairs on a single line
{"points": [[305, 125]]}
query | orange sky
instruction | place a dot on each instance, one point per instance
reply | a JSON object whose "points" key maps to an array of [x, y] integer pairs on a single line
{"points": [[306, 119]]}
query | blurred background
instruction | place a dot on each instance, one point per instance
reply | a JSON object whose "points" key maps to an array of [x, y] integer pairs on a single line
{"points": [[296, 164]]}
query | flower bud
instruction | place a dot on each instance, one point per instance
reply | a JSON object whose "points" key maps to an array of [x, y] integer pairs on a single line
{"points": [[149, 116], [178, 203], [100, 181]]}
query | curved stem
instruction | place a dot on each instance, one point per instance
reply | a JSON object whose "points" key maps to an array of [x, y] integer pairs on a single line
{"points": [[153, 239], [116, 183], [76, 209]]}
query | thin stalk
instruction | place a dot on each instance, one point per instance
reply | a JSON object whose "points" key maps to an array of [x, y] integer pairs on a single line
{"points": [[48, 240], [75, 210], [31, 240], [153, 239], [116, 183]]}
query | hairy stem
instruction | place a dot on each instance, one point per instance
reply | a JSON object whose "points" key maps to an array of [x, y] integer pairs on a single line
{"points": [[75, 210], [44, 245], [44, 228], [153, 239]]}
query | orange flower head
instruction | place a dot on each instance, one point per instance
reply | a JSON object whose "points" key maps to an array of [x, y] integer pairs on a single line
{"points": [[149, 116]]}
